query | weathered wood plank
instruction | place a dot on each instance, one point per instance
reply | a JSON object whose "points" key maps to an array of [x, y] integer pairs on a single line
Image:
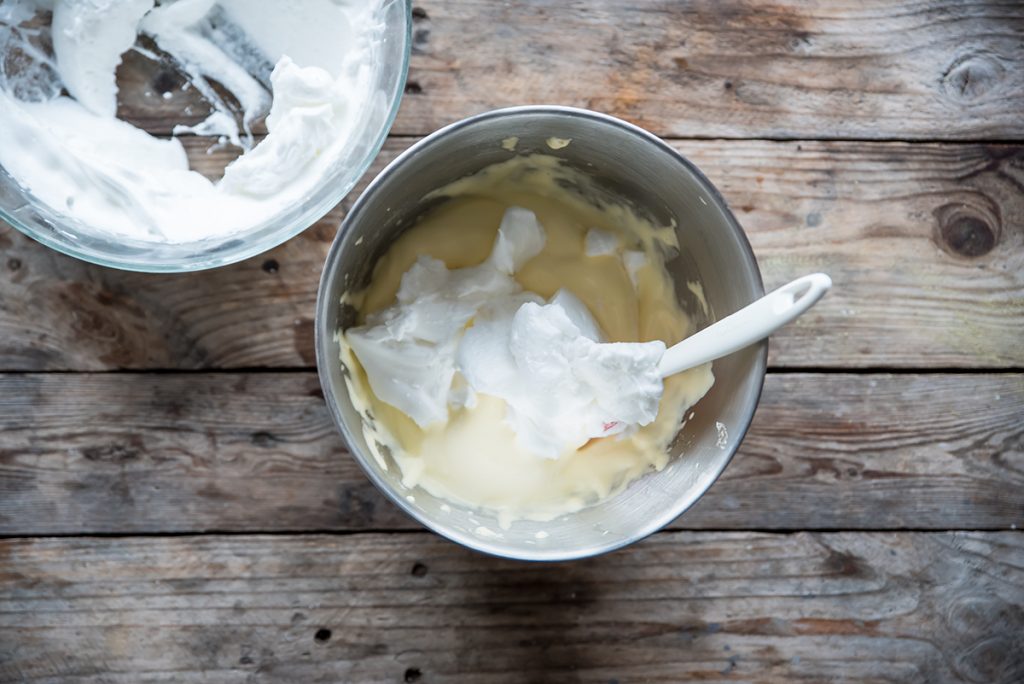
{"points": [[936, 69], [852, 607], [925, 243], [130, 453]]}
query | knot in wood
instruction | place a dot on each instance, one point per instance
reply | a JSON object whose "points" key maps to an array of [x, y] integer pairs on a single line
{"points": [[964, 233], [972, 75], [981, 627], [166, 81], [263, 439]]}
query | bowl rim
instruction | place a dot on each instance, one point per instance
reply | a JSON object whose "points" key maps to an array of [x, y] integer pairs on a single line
{"points": [[324, 339], [272, 240]]}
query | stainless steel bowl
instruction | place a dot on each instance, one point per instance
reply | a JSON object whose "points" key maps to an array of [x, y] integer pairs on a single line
{"points": [[628, 163]]}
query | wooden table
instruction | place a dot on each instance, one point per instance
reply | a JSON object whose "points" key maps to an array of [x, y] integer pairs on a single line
{"points": [[177, 506]]}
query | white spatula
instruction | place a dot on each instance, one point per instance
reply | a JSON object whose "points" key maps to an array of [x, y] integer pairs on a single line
{"points": [[748, 325]]}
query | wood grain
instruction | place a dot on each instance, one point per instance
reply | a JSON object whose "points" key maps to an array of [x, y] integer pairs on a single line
{"points": [[925, 244], [935, 69], [852, 607], [129, 453]]}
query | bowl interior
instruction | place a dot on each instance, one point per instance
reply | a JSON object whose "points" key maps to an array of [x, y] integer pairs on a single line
{"points": [[623, 162], [64, 233]]}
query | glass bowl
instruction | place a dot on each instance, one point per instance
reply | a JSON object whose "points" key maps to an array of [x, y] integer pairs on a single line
{"points": [[68, 235]]}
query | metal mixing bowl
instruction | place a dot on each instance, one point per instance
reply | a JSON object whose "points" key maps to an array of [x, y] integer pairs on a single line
{"points": [[626, 162]]}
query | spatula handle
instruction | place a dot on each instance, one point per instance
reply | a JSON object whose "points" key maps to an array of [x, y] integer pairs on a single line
{"points": [[747, 326]]}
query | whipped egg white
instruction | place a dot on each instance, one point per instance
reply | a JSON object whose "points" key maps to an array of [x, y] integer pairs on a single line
{"points": [[546, 359]]}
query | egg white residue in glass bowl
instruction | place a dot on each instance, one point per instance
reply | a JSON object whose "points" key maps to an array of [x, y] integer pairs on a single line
{"points": [[310, 69]]}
